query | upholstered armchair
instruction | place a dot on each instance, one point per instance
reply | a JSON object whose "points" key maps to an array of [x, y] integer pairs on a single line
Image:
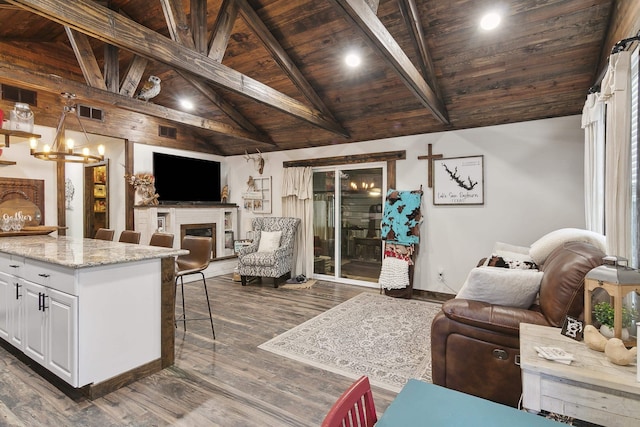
{"points": [[271, 252]]}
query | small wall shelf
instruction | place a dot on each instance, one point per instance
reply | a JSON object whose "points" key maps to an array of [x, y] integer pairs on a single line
{"points": [[9, 133]]}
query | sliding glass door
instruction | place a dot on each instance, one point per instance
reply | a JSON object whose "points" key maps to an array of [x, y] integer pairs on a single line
{"points": [[347, 211]]}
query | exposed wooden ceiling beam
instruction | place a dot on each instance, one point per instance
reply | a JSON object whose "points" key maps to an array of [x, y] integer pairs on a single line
{"points": [[24, 77], [382, 41], [86, 59], [179, 30], [199, 25], [222, 29], [103, 24], [133, 76], [411, 15], [223, 105], [280, 56]]}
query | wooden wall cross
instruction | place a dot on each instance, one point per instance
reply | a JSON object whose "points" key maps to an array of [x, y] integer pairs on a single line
{"points": [[430, 157]]}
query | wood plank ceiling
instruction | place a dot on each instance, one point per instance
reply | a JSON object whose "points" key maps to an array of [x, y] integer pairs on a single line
{"points": [[270, 74]]}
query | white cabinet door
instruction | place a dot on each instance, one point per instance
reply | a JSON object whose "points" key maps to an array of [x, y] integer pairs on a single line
{"points": [[6, 294], [17, 316], [34, 322], [50, 325], [62, 337], [11, 319]]}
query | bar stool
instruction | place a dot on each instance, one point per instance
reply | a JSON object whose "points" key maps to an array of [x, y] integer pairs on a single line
{"points": [[129, 236], [194, 263], [104, 234], [164, 240]]}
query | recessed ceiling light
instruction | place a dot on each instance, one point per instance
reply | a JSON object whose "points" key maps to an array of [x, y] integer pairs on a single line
{"points": [[490, 21], [352, 59], [186, 104]]}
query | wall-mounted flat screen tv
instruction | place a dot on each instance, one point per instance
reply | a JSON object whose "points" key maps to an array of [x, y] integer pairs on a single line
{"points": [[186, 180]]}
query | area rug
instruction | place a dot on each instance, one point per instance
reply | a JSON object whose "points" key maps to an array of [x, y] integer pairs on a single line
{"points": [[382, 337], [305, 285]]}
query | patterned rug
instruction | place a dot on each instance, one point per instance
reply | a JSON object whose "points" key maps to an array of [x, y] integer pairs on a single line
{"points": [[382, 337]]}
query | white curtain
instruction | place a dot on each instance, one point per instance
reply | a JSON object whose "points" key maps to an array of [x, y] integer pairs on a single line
{"points": [[617, 201], [593, 125], [297, 202]]}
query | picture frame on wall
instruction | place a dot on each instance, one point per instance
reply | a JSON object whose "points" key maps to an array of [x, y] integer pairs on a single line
{"points": [[458, 181]]}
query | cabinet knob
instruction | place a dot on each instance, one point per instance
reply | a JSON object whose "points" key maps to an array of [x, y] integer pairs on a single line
{"points": [[43, 275]]}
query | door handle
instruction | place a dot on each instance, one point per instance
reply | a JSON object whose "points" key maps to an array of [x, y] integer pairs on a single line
{"points": [[42, 301], [18, 294]]}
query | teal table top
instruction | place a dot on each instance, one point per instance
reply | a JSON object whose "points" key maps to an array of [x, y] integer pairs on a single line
{"points": [[423, 404]]}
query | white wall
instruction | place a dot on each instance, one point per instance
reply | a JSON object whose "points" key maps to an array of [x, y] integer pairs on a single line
{"points": [[31, 168], [533, 184]]}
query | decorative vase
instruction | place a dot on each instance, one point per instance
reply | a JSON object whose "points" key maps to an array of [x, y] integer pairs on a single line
{"points": [[608, 332]]}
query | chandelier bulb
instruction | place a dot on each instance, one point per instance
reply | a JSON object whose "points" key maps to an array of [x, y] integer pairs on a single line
{"points": [[70, 143], [33, 143], [85, 151], [46, 148], [101, 149]]}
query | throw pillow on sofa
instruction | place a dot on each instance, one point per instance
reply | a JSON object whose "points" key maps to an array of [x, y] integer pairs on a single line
{"points": [[502, 286]]}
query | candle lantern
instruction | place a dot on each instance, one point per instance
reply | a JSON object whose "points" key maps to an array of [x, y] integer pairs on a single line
{"points": [[611, 299]]}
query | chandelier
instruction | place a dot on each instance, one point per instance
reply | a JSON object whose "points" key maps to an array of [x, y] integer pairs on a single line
{"points": [[61, 150]]}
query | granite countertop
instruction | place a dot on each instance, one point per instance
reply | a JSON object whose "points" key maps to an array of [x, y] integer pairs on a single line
{"points": [[78, 252]]}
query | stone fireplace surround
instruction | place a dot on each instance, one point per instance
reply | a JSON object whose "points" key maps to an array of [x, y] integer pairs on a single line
{"points": [[177, 219]]}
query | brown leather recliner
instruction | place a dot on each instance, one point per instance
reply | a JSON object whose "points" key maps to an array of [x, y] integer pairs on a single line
{"points": [[474, 344]]}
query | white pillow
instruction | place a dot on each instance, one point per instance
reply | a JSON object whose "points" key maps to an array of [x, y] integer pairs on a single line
{"points": [[502, 286], [512, 252], [269, 241], [543, 247]]}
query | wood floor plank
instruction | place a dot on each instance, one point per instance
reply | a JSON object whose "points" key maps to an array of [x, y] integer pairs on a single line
{"points": [[226, 382]]}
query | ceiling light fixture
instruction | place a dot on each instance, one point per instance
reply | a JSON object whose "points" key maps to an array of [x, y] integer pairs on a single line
{"points": [[186, 104], [60, 150], [490, 21], [352, 60]]}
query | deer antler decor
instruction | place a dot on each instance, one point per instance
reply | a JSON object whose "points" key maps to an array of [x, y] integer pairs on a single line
{"points": [[258, 160]]}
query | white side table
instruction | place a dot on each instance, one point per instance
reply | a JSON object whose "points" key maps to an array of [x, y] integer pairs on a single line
{"points": [[591, 388]]}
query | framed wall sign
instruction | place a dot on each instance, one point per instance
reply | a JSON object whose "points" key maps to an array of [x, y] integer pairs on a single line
{"points": [[458, 181]]}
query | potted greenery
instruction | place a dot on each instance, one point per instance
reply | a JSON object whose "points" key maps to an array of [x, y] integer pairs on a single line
{"points": [[603, 313]]}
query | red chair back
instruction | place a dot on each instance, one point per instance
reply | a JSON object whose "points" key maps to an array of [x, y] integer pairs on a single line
{"points": [[354, 408]]}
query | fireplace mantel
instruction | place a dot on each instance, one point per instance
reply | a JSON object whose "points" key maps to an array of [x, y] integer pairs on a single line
{"points": [[170, 218]]}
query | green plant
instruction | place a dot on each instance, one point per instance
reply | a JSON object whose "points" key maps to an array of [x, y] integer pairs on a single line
{"points": [[603, 313]]}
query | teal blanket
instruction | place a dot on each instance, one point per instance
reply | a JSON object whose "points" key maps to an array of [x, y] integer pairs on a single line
{"points": [[401, 217]]}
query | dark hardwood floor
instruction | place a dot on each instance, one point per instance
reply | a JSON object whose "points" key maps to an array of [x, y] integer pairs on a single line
{"points": [[226, 382]]}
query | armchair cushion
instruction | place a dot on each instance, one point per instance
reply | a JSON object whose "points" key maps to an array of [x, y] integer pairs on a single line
{"points": [[269, 241], [502, 286]]}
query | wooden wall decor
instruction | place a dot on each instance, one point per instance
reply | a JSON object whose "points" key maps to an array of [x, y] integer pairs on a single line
{"points": [[21, 188]]}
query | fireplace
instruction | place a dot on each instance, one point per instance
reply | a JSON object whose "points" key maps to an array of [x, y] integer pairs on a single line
{"points": [[205, 230]]}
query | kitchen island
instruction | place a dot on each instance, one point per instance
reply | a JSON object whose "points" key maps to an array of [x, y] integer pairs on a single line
{"points": [[95, 314]]}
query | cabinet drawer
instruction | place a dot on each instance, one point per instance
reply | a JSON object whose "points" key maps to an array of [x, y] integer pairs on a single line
{"points": [[11, 264], [50, 275]]}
